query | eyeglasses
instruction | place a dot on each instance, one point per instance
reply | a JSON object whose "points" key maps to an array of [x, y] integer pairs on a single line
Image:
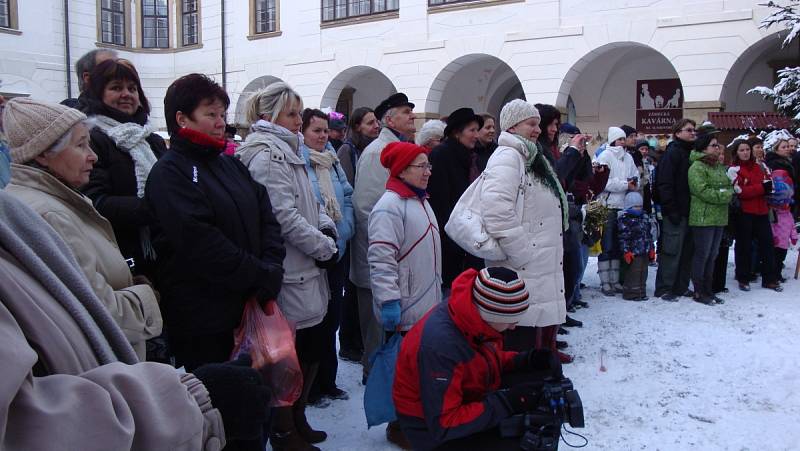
{"points": [[689, 130], [716, 146], [427, 166]]}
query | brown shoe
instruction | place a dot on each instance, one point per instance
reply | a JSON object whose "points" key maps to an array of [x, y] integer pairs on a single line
{"points": [[396, 436]]}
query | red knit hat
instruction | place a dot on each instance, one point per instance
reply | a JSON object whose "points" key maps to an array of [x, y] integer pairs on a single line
{"points": [[398, 155]]}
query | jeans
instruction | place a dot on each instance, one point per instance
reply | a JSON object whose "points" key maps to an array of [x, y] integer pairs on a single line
{"points": [[674, 261], [609, 241], [754, 237], [706, 248], [583, 262]]}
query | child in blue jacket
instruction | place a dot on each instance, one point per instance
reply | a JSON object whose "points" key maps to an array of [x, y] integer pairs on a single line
{"points": [[636, 243]]}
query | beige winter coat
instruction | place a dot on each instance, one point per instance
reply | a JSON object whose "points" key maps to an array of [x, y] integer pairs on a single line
{"points": [[56, 396], [533, 242], [275, 163], [370, 185], [92, 241]]}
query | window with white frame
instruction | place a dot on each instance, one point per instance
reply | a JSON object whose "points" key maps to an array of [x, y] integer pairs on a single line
{"points": [[155, 24], [190, 22], [112, 22]]}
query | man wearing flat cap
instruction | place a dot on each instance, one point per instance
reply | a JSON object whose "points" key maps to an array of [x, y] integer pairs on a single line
{"points": [[397, 117]]}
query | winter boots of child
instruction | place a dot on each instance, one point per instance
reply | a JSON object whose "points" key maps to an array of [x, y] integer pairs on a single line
{"points": [[636, 279]]}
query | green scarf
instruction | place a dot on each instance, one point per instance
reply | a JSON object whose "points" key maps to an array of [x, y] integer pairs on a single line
{"points": [[541, 169]]}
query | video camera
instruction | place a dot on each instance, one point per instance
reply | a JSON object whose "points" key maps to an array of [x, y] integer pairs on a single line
{"points": [[540, 428]]}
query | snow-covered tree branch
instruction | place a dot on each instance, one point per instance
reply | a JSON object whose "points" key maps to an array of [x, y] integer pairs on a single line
{"points": [[786, 93]]}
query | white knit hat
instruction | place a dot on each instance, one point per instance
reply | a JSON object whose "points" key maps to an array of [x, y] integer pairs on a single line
{"points": [[32, 127], [615, 133], [515, 112], [433, 129]]}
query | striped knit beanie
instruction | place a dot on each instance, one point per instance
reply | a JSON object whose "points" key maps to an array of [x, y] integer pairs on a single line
{"points": [[500, 295]]}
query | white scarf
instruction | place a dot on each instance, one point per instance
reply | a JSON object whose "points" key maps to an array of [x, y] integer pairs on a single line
{"points": [[131, 138], [322, 162]]}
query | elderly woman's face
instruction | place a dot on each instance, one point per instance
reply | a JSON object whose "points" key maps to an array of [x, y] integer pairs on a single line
{"points": [[529, 128], [417, 173], [713, 148], [75, 162], [122, 95]]}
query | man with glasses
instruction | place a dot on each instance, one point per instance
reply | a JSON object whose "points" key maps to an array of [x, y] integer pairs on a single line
{"points": [[672, 186]]}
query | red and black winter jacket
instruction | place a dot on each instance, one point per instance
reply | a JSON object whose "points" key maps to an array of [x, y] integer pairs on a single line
{"points": [[750, 178], [448, 372]]}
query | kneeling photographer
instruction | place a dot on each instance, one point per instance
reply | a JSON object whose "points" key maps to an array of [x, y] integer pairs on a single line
{"points": [[451, 367]]}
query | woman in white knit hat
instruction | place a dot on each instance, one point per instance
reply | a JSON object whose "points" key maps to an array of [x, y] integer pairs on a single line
{"points": [[525, 209], [51, 159]]}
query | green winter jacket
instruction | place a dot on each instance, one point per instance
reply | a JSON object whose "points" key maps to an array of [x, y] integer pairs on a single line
{"points": [[711, 192]]}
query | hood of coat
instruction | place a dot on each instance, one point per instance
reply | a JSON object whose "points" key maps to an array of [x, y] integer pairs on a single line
{"points": [[775, 161], [464, 312], [710, 160], [617, 152], [268, 128], [509, 140], [40, 180]]}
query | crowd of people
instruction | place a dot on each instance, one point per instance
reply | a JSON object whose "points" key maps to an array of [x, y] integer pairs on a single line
{"points": [[123, 257]]}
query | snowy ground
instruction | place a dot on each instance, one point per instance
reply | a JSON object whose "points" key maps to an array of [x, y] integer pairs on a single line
{"points": [[679, 375]]}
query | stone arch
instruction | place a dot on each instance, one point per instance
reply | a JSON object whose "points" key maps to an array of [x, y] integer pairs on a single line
{"points": [[478, 81], [241, 104], [355, 87], [757, 66], [601, 86]]}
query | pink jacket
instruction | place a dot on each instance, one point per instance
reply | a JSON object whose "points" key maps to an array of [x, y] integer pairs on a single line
{"points": [[783, 232]]}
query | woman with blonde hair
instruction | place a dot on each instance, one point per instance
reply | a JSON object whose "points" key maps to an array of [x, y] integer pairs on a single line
{"points": [[273, 155]]}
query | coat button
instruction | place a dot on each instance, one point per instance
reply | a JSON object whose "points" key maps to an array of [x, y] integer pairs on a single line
{"points": [[149, 322]]}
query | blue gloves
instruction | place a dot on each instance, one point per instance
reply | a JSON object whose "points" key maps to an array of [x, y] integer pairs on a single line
{"points": [[390, 314]]}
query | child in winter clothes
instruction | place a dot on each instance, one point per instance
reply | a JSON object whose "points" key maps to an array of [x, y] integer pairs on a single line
{"points": [[636, 242], [783, 230]]}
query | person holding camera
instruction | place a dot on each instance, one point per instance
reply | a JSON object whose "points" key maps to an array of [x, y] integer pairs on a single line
{"points": [[447, 388]]}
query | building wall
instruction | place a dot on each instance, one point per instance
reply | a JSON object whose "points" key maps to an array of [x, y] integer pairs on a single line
{"points": [[552, 47]]}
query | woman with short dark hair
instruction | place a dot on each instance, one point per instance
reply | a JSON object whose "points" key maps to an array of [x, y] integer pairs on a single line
{"points": [[127, 148], [218, 241]]}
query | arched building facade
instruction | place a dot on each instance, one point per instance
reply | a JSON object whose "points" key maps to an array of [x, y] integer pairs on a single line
{"points": [[590, 59]]}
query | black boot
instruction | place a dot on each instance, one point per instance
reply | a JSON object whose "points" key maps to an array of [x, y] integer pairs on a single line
{"points": [[284, 436], [299, 409]]}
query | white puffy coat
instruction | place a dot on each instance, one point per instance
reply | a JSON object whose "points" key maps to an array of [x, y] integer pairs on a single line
{"points": [[370, 185], [621, 168], [276, 164], [405, 254], [533, 242]]}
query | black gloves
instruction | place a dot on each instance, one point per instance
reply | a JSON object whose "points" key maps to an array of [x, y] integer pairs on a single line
{"points": [[523, 397], [331, 262], [767, 184], [239, 393], [544, 362], [274, 282]]}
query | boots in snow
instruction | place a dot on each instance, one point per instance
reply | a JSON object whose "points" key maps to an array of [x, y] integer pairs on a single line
{"points": [[284, 436], [299, 408], [604, 271]]}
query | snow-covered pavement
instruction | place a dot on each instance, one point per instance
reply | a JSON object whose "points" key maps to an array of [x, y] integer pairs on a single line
{"points": [[678, 376]]}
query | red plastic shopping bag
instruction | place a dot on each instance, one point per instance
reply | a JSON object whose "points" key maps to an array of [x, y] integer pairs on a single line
{"points": [[268, 337]]}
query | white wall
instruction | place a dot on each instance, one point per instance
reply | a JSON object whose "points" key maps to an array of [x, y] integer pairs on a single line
{"points": [[542, 41]]}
